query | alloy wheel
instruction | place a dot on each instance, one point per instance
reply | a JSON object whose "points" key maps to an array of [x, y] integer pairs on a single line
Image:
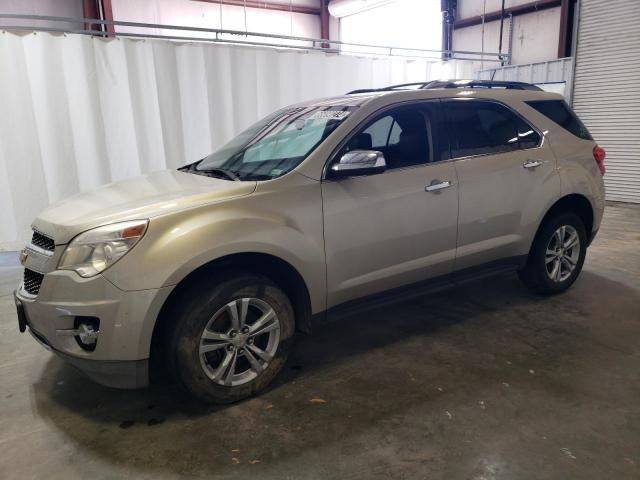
{"points": [[239, 341], [562, 254]]}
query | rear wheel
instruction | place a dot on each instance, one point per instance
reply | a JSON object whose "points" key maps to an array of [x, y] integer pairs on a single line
{"points": [[557, 255], [230, 340]]}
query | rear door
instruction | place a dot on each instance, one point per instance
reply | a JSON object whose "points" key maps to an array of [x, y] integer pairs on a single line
{"points": [[507, 180]]}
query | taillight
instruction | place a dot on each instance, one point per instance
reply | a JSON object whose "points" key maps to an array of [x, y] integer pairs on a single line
{"points": [[598, 156]]}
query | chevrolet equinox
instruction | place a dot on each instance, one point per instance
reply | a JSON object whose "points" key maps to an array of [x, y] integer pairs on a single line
{"points": [[318, 208]]}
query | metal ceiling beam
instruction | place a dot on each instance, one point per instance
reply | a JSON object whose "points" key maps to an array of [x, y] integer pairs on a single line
{"points": [[379, 50], [282, 7]]}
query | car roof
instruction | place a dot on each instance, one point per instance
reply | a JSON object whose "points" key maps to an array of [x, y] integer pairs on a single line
{"points": [[401, 95]]}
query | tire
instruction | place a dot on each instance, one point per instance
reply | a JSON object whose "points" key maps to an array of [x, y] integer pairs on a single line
{"points": [[198, 363], [540, 274]]}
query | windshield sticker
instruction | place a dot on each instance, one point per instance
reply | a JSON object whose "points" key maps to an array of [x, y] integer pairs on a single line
{"points": [[276, 172], [329, 115]]}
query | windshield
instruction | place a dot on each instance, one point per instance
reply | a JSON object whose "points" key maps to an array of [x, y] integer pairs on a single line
{"points": [[273, 146]]}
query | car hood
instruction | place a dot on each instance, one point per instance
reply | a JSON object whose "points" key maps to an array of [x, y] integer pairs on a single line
{"points": [[141, 197]]}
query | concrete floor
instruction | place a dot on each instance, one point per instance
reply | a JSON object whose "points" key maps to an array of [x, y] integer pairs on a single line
{"points": [[481, 382]]}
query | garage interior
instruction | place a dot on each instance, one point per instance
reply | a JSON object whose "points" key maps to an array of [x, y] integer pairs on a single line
{"points": [[484, 381]]}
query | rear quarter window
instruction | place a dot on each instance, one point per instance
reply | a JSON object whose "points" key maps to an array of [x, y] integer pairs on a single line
{"points": [[560, 113], [481, 127]]}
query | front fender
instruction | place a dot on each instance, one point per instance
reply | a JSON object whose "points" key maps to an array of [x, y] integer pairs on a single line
{"points": [[283, 222]]}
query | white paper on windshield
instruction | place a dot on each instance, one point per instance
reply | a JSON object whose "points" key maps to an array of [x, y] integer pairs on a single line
{"points": [[329, 115]]}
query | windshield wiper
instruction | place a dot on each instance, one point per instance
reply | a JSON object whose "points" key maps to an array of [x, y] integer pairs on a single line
{"points": [[210, 172], [219, 171]]}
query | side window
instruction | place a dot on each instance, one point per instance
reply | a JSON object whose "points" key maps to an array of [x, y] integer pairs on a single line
{"points": [[480, 128], [527, 136], [559, 112], [404, 135], [394, 135], [379, 133]]}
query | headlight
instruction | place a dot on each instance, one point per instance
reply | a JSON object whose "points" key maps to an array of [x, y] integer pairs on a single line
{"points": [[95, 250]]}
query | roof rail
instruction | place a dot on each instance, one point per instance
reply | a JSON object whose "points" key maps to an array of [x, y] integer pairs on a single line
{"points": [[481, 84], [401, 86], [452, 84]]}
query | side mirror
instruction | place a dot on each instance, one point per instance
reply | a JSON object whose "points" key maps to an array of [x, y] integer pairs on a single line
{"points": [[358, 162]]}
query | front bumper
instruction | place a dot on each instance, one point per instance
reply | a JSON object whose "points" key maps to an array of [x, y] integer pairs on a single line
{"points": [[116, 374], [127, 318]]}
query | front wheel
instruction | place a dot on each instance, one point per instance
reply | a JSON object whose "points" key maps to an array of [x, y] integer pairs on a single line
{"points": [[231, 339], [557, 255]]}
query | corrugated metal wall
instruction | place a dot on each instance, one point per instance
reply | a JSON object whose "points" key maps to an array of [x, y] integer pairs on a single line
{"points": [[607, 88], [539, 73]]}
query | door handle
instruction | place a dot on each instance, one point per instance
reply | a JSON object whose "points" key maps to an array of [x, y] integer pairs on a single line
{"points": [[437, 185], [532, 163]]}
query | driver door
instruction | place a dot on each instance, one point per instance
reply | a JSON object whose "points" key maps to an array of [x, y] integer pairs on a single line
{"points": [[398, 227]]}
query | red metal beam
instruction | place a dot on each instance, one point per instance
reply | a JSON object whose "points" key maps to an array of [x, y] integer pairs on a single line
{"points": [[282, 7], [564, 29], [107, 13], [324, 22], [517, 10], [90, 10]]}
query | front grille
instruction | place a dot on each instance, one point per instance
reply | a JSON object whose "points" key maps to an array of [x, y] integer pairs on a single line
{"points": [[42, 241], [32, 281]]}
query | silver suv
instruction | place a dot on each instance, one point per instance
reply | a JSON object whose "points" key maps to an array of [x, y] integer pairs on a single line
{"points": [[208, 271]]}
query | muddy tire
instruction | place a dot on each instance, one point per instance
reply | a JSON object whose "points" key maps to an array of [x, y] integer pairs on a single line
{"points": [[230, 339]]}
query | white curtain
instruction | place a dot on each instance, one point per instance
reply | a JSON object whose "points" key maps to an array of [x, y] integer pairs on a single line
{"points": [[78, 112]]}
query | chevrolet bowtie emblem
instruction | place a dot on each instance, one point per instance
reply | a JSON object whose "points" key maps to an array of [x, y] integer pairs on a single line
{"points": [[23, 256]]}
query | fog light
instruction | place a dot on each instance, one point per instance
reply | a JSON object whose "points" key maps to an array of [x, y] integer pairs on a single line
{"points": [[85, 331]]}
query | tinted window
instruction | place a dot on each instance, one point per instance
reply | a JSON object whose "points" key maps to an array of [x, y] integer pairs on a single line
{"points": [[394, 136], [559, 112], [480, 128], [404, 135], [527, 136], [379, 132]]}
